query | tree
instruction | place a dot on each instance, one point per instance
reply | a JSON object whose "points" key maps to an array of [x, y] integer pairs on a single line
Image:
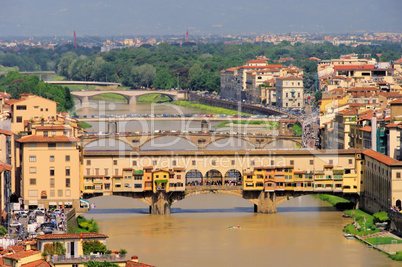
{"points": [[163, 80], [54, 248], [146, 74], [3, 231], [93, 247], [318, 96]]}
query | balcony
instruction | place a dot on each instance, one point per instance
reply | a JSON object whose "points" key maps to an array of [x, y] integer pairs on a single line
{"points": [[86, 258]]}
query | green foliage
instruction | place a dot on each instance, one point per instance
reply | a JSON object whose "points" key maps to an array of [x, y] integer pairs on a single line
{"points": [[15, 84], [206, 108], [297, 130], [381, 217], [333, 200], [362, 219], [383, 240], [54, 248], [3, 231], [397, 256], [84, 125], [86, 226], [318, 96], [122, 251], [93, 247], [100, 264]]}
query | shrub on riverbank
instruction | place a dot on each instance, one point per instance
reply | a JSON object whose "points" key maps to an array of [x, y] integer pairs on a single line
{"points": [[85, 226], [207, 109], [363, 225], [84, 125], [397, 256], [338, 202]]}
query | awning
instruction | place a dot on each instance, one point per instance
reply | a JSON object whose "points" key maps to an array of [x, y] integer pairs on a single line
{"points": [[68, 203], [60, 203], [52, 203], [33, 202], [83, 200]]}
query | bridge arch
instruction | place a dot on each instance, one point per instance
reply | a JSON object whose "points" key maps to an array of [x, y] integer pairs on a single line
{"points": [[233, 176], [108, 144], [271, 144], [128, 98], [194, 177], [213, 177], [172, 97], [234, 142], [170, 141]]}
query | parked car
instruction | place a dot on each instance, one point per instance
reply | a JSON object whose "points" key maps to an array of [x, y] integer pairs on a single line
{"points": [[15, 224]]}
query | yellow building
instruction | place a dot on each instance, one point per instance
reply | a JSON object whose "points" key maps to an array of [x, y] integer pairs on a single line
{"points": [[30, 107], [50, 174]]}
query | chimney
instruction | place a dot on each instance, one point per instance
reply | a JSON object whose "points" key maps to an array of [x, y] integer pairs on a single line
{"points": [[134, 258]]}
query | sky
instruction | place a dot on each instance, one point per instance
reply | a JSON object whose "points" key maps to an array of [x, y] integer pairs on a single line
{"points": [[160, 17]]}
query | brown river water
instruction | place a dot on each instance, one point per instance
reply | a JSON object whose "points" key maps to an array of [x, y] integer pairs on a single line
{"points": [[305, 232]]}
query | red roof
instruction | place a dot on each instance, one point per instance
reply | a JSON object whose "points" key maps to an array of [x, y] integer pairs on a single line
{"points": [[5, 132], [380, 157], [398, 60], [71, 236], [43, 139], [51, 127], [137, 264], [353, 67], [398, 101], [22, 254], [257, 61], [37, 263], [5, 166], [366, 129], [289, 78]]}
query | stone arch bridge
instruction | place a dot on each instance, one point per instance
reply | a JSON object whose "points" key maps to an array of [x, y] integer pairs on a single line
{"points": [[200, 140], [130, 95]]}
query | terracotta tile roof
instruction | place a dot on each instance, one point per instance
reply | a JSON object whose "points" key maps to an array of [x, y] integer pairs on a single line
{"points": [[137, 264], [257, 61], [13, 101], [52, 127], [260, 67], [127, 169], [5, 132], [37, 263], [354, 67], [366, 129], [16, 249], [71, 236], [380, 157], [392, 125], [363, 89], [391, 94], [398, 101], [22, 254], [357, 105], [289, 78], [43, 139], [5, 166], [349, 111], [298, 172], [398, 60]]}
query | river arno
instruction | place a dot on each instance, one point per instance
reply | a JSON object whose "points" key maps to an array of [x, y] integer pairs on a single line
{"points": [[304, 232]]}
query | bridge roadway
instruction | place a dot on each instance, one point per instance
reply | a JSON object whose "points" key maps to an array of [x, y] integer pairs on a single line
{"points": [[83, 82], [130, 95], [200, 140], [199, 118]]}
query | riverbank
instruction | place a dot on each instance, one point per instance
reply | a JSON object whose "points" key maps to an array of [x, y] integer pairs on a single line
{"points": [[337, 202], [207, 109], [153, 98], [264, 124]]}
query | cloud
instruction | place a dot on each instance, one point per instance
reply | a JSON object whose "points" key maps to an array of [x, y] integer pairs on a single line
{"points": [[217, 25]]}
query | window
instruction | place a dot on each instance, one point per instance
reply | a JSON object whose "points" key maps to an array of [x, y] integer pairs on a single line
{"points": [[96, 171], [398, 138], [67, 171], [19, 119], [213, 163], [33, 193], [32, 146], [32, 181], [68, 182], [115, 162], [311, 162], [134, 163], [51, 182], [51, 171], [68, 192], [116, 171], [51, 158], [331, 162], [154, 162], [252, 163], [32, 169], [286, 94], [194, 163], [233, 163], [350, 161], [51, 145], [137, 185], [67, 157], [272, 162], [292, 162], [45, 133], [88, 171], [174, 163], [47, 109], [59, 193], [106, 171], [52, 193], [398, 175], [178, 176], [88, 162]]}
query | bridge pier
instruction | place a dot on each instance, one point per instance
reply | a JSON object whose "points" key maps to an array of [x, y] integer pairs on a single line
{"points": [[266, 203], [84, 101], [160, 203], [132, 100]]}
